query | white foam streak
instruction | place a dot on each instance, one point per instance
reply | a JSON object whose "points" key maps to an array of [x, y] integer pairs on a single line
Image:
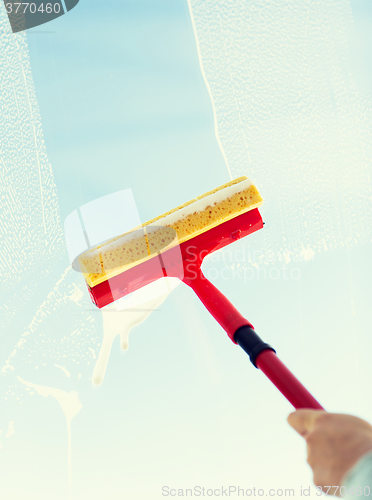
{"points": [[70, 405], [120, 323]]}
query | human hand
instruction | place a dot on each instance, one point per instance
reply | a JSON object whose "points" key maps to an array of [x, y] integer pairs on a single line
{"points": [[335, 442]]}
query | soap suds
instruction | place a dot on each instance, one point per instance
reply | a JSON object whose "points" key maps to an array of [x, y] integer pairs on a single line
{"points": [[42, 304], [61, 332], [291, 114]]}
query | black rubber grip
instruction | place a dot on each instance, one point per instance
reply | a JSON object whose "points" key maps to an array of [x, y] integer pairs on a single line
{"points": [[251, 343]]}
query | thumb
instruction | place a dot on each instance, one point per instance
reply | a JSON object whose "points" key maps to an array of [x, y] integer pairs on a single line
{"points": [[303, 421]]}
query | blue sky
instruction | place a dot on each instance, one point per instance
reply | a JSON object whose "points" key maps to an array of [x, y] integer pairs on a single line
{"points": [[121, 94]]}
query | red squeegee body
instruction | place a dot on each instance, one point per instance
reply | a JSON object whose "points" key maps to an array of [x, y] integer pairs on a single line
{"points": [[192, 253]]}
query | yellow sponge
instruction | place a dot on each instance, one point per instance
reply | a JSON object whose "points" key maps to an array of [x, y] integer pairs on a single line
{"points": [[186, 221]]}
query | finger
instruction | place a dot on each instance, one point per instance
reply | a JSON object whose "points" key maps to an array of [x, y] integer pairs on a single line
{"points": [[303, 421]]}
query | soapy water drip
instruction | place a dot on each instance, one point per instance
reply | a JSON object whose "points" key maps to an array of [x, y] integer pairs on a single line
{"points": [[292, 114], [70, 405], [122, 316], [118, 323]]}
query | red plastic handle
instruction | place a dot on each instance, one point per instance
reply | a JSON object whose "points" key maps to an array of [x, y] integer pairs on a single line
{"points": [[217, 304], [230, 319], [291, 388]]}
